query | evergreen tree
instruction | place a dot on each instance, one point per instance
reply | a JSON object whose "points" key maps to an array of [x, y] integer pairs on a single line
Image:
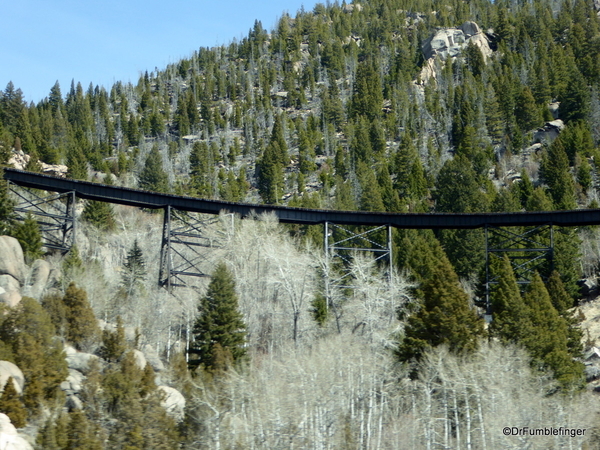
{"points": [[134, 270], [82, 327], [153, 177], [445, 317], [12, 406], [556, 174], [6, 207], [526, 110], [510, 315], [80, 433], [99, 214], [29, 236], [55, 307], [219, 329], [458, 190], [270, 176], [370, 199], [575, 102], [278, 143], [202, 163], [114, 343], [563, 302], [548, 341], [28, 330], [367, 95], [76, 163]]}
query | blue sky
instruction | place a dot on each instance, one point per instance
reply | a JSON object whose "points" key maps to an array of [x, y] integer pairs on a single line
{"points": [[103, 42]]}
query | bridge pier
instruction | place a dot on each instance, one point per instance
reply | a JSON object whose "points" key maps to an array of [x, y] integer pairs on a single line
{"points": [[183, 254], [529, 251], [341, 242], [54, 213]]}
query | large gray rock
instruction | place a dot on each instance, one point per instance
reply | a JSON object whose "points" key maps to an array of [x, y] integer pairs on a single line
{"points": [[9, 290], [40, 271], [470, 29], [549, 131], [9, 438], [173, 402], [7, 370], [140, 359], [73, 383], [446, 43], [11, 259], [73, 402], [79, 361], [153, 358]]}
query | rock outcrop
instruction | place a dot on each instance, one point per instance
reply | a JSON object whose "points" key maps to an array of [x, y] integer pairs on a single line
{"points": [[9, 438], [549, 131], [449, 43], [7, 370], [153, 358], [12, 270], [40, 273], [79, 361], [12, 261], [20, 159], [173, 402]]}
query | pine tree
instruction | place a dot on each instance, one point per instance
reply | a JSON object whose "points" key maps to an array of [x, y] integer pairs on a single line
{"points": [[526, 110], [99, 214], [134, 270], [367, 96], [55, 307], [270, 176], [79, 433], [556, 174], [153, 177], [370, 198], [219, 323], [76, 163], [445, 317], [278, 142], [28, 330], [563, 302], [12, 406], [548, 342], [6, 207], [82, 327], [29, 236], [114, 343], [575, 102], [510, 315]]}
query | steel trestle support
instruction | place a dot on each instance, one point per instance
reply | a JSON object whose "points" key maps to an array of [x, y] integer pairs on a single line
{"points": [[341, 243], [185, 241], [55, 215], [529, 251]]}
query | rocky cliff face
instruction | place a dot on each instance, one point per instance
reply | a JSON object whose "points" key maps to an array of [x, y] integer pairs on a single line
{"points": [[12, 270], [450, 43]]}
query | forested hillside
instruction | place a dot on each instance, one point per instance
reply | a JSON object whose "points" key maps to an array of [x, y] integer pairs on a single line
{"points": [[379, 105]]}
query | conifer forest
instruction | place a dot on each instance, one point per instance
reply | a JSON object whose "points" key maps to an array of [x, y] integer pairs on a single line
{"points": [[399, 106]]}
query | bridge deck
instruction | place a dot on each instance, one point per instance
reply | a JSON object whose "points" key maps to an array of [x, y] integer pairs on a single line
{"points": [[154, 200]]}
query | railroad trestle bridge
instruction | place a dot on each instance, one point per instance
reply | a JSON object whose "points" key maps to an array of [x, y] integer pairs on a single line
{"points": [[55, 213]]}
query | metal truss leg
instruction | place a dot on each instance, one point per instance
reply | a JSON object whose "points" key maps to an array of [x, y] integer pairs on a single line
{"points": [[55, 214], [183, 255], [342, 243], [529, 251]]}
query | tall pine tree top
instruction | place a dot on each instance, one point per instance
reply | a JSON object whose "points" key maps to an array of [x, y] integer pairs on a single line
{"points": [[445, 316], [219, 331]]}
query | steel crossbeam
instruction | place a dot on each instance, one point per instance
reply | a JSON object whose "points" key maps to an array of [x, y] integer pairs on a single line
{"points": [[183, 253], [529, 252], [339, 251], [55, 215]]}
